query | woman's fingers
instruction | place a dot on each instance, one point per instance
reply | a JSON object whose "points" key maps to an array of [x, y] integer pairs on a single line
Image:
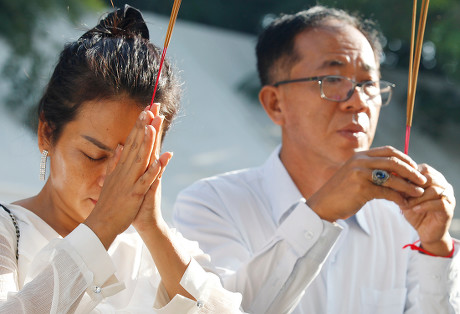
{"points": [[132, 141], [155, 109], [146, 180], [153, 173], [164, 160], [113, 161], [157, 123], [138, 150]]}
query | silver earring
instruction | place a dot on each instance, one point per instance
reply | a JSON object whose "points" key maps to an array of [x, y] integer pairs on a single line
{"points": [[43, 164]]}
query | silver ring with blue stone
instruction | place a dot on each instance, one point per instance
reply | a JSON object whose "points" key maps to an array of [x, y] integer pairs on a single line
{"points": [[379, 177]]}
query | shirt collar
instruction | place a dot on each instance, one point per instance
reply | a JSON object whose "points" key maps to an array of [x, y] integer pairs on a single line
{"points": [[283, 194], [281, 191], [361, 219]]}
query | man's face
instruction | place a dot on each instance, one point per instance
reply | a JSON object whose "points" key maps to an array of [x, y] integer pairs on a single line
{"points": [[323, 130]]}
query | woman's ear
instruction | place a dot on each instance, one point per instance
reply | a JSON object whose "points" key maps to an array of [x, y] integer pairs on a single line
{"points": [[44, 134], [270, 98]]}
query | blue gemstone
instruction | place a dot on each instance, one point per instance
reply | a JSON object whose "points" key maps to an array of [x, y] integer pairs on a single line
{"points": [[381, 174]]}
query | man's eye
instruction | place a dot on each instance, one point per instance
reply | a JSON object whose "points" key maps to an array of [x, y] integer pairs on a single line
{"points": [[371, 84], [333, 79]]}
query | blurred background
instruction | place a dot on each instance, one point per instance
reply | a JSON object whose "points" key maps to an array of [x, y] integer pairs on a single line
{"points": [[221, 126]]}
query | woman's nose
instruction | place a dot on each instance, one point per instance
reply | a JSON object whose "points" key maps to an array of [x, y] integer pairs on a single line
{"points": [[101, 179]]}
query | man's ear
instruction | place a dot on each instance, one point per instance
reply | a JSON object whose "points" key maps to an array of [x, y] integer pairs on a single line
{"points": [[44, 134], [270, 98]]}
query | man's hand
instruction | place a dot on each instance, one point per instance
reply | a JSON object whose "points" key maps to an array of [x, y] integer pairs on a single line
{"points": [[431, 214], [351, 186]]}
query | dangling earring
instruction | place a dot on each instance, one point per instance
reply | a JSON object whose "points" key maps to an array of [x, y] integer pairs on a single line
{"points": [[43, 164]]}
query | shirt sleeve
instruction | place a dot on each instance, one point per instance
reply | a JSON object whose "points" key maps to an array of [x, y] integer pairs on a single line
{"points": [[273, 279], [434, 285], [69, 275], [203, 285]]}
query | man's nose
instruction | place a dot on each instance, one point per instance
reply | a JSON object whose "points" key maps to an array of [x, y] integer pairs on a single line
{"points": [[357, 102]]}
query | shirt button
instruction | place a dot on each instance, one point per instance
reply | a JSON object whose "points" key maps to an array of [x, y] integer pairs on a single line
{"points": [[308, 235], [199, 304], [97, 289], [437, 277]]}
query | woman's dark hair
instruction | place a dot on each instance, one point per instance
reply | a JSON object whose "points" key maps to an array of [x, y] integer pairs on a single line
{"points": [[275, 46], [115, 58]]}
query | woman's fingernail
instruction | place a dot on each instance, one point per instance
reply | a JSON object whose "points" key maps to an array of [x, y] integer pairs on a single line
{"points": [[142, 116], [420, 190], [146, 129], [417, 208]]}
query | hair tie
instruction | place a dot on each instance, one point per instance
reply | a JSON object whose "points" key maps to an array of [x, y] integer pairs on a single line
{"points": [[126, 21]]}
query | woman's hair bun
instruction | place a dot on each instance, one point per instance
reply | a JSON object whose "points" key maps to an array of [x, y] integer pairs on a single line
{"points": [[124, 22]]}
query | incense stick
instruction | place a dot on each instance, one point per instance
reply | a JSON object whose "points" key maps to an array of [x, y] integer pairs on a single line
{"points": [[414, 63], [172, 21]]}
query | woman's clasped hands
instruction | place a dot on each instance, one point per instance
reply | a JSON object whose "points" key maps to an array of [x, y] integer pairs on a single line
{"points": [[130, 193]]}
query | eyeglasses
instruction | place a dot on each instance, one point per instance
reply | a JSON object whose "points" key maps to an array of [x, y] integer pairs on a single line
{"points": [[339, 88]]}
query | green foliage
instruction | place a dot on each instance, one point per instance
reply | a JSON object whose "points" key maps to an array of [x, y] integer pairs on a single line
{"points": [[20, 29], [393, 16], [18, 18]]}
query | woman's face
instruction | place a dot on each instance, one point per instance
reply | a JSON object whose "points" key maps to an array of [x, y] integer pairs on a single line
{"points": [[78, 159]]}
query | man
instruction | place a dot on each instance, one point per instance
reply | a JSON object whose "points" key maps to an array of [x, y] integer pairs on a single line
{"points": [[271, 228]]}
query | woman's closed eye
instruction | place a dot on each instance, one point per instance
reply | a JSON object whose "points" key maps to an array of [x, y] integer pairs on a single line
{"points": [[94, 158]]}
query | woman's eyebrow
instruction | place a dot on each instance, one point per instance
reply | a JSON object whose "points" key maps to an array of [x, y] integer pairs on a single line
{"points": [[97, 143]]}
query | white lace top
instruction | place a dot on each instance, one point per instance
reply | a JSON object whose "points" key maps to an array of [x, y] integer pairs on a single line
{"points": [[76, 274]]}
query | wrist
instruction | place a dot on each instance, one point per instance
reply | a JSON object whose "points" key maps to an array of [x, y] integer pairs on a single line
{"points": [[442, 248], [324, 214], [151, 228], [100, 228]]}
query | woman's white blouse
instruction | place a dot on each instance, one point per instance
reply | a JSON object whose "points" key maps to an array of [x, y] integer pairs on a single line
{"points": [[76, 273]]}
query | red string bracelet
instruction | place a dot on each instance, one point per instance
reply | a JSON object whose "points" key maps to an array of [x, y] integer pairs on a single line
{"points": [[418, 248]]}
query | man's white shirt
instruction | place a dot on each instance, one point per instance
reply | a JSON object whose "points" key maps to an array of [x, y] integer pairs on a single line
{"points": [[270, 246]]}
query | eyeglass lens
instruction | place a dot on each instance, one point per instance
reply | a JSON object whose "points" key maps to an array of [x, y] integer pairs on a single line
{"points": [[340, 89]]}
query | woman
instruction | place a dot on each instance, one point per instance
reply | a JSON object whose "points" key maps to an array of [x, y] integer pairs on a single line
{"points": [[70, 247]]}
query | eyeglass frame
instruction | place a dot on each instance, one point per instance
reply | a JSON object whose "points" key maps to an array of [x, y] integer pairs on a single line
{"points": [[320, 79]]}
